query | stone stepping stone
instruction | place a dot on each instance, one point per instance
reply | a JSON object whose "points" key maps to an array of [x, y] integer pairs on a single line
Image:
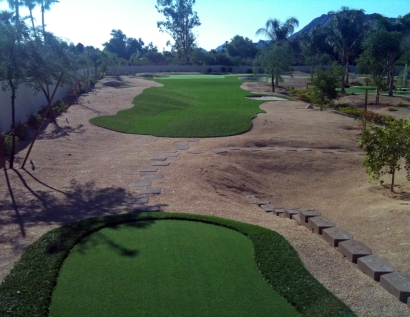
{"points": [[141, 184], [289, 149], [132, 201], [159, 158], [254, 149], [270, 149], [296, 217], [195, 152], [220, 151], [233, 148], [170, 151], [305, 214], [258, 201], [289, 212], [149, 169], [193, 140], [160, 164], [374, 266], [279, 211], [148, 208], [319, 223], [155, 176], [154, 191], [353, 250], [326, 151], [397, 285], [361, 153], [250, 196], [305, 149], [172, 155], [335, 235], [182, 144], [267, 207], [341, 151], [183, 148]]}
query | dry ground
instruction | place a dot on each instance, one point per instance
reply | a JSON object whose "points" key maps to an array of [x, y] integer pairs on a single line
{"points": [[81, 170]]}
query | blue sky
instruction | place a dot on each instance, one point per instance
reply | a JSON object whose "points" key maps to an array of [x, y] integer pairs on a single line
{"points": [[90, 22]]}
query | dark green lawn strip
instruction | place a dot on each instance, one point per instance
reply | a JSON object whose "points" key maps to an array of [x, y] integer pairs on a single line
{"points": [[27, 290], [165, 268], [187, 108]]}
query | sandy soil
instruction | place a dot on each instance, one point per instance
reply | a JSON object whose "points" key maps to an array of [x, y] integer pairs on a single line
{"points": [[80, 170]]}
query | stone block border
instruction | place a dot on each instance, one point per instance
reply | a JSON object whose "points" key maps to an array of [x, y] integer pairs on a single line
{"points": [[356, 252]]}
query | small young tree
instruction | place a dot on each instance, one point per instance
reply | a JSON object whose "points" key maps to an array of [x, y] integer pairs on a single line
{"points": [[326, 82], [384, 147], [276, 59]]}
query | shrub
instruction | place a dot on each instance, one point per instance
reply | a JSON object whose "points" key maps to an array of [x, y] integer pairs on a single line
{"points": [[368, 81], [59, 107], [34, 120], [229, 69], [306, 95], [209, 70], [356, 83], [370, 117], [249, 71], [392, 109], [21, 130], [223, 69], [402, 104], [8, 141]]}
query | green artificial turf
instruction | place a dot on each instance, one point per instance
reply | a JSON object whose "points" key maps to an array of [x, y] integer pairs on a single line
{"points": [[27, 289], [207, 106], [165, 268], [372, 91]]}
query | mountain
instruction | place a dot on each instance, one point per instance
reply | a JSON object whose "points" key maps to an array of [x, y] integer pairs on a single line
{"points": [[323, 20]]}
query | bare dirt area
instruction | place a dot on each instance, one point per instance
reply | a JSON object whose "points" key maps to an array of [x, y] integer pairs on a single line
{"points": [[80, 170]]}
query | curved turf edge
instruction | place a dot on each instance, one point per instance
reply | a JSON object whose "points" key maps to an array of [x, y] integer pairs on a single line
{"points": [[27, 289]]}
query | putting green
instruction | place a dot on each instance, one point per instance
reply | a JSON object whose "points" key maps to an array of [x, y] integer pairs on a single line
{"points": [[197, 76], [208, 106], [165, 268]]}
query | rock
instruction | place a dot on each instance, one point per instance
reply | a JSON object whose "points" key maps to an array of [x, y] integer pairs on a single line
{"points": [[309, 106]]}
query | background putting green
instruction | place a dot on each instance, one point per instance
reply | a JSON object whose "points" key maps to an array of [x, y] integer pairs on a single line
{"points": [[204, 107], [167, 268]]}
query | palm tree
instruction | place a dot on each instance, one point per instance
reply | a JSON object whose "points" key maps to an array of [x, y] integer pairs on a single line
{"points": [[277, 31], [30, 5], [45, 6], [347, 30], [15, 5]]}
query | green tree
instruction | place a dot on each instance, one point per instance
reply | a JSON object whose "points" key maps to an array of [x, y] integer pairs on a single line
{"points": [[384, 146], [325, 83], [13, 67], [275, 59], [243, 49], [179, 23], [382, 51], [314, 46], [347, 31]]}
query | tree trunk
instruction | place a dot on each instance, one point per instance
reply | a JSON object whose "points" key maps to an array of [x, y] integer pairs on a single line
{"points": [[13, 123], [273, 83], [392, 179], [391, 82]]}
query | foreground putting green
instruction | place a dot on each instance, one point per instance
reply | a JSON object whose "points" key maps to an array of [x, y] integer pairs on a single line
{"points": [[28, 288], [193, 106], [165, 268]]}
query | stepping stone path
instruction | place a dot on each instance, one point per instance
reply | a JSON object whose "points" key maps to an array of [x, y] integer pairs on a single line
{"points": [[160, 164], [159, 161], [154, 176], [141, 184], [356, 252], [159, 158]]}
